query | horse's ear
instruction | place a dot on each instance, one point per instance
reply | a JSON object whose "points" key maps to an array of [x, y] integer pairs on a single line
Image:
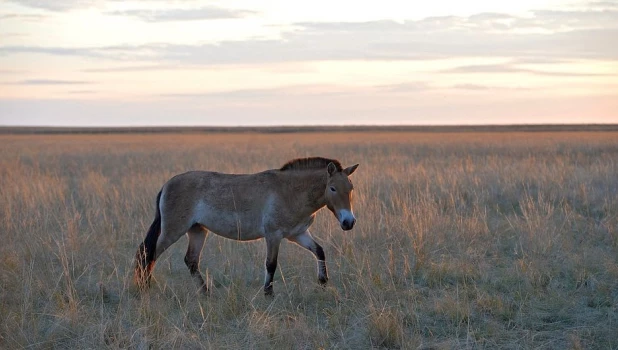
{"points": [[348, 171], [331, 168]]}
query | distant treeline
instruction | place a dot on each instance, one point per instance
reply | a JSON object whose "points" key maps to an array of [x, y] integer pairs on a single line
{"points": [[305, 129]]}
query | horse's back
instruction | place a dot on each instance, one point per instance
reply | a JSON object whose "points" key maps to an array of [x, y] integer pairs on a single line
{"points": [[230, 205]]}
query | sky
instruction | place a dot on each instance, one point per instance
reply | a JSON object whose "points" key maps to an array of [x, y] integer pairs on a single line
{"points": [[227, 63]]}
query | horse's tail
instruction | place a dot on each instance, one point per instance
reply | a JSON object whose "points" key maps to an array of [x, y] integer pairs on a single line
{"points": [[146, 253]]}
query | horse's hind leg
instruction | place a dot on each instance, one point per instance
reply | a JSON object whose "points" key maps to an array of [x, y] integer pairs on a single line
{"points": [[306, 241], [197, 236], [272, 251], [171, 231]]}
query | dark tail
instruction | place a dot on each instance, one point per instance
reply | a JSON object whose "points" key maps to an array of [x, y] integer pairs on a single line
{"points": [[145, 256]]}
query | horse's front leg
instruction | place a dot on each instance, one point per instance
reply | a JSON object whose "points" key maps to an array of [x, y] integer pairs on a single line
{"points": [[272, 250], [306, 241]]}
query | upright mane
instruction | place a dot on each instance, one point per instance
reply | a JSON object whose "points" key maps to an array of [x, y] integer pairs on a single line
{"points": [[310, 163]]}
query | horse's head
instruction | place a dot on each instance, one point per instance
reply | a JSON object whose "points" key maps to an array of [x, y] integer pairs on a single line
{"points": [[338, 195]]}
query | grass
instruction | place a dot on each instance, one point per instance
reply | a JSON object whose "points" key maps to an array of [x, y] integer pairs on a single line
{"points": [[464, 240]]}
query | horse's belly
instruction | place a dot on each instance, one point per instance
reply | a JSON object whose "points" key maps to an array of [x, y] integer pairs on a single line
{"points": [[237, 232], [230, 225]]}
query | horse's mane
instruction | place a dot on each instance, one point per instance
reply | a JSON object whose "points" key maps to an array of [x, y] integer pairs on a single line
{"points": [[310, 163]]}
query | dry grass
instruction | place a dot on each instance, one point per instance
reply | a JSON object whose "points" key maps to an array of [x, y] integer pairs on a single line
{"points": [[472, 240]]}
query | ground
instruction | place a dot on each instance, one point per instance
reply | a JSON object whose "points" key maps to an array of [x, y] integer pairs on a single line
{"points": [[489, 239]]}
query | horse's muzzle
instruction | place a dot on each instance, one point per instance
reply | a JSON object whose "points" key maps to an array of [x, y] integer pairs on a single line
{"points": [[348, 224], [346, 219]]}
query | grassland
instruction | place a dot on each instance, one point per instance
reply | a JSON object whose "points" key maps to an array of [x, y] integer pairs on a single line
{"points": [[463, 240]]}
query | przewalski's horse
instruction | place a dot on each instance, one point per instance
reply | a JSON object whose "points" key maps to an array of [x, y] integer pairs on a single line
{"points": [[273, 204]]}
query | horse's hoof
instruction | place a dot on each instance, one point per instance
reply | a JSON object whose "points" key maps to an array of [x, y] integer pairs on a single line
{"points": [[268, 292]]}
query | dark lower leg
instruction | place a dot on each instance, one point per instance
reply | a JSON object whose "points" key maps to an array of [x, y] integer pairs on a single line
{"points": [[272, 251], [322, 272], [306, 241], [197, 237], [271, 267], [193, 265]]}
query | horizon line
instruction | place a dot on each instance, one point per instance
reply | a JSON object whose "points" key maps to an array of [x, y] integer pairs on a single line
{"points": [[33, 129]]}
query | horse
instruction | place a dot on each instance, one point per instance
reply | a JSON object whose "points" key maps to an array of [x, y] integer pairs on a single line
{"points": [[274, 204]]}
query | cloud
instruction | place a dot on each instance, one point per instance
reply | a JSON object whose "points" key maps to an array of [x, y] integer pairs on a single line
{"points": [[11, 71], [568, 20], [471, 87], [565, 35], [421, 86], [604, 4], [22, 17], [69, 5], [507, 68], [51, 82], [489, 16], [483, 68], [117, 52], [60, 51], [189, 14], [135, 68], [14, 35], [416, 86], [297, 47], [55, 5], [298, 91], [82, 92], [539, 60], [234, 94], [477, 87]]}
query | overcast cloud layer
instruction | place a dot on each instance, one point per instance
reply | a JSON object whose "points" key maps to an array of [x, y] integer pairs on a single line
{"points": [[582, 34], [482, 62]]}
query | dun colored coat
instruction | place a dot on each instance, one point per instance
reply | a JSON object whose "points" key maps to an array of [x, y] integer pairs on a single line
{"points": [[273, 204]]}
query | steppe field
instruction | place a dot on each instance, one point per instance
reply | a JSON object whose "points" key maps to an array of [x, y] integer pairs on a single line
{"points": [[494, 240]]}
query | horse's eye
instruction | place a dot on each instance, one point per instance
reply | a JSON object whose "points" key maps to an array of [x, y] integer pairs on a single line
{"points": [[332, 189]]}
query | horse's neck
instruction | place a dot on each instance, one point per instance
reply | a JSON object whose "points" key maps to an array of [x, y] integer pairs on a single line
{"points": [[314, 183]]}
